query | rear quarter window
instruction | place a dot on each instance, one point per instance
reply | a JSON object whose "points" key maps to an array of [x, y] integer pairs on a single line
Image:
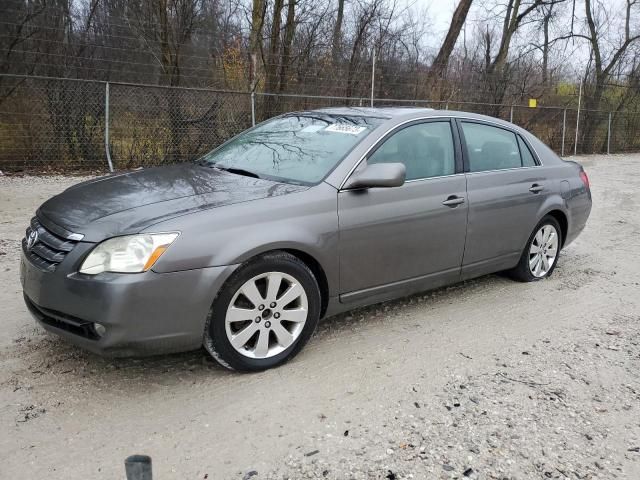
{"points": [[528, 159]]}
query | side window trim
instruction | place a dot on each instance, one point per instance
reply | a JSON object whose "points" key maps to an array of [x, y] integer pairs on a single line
{"points": [[455, 132], [457, 151], [457, 141], [465, 149], [463, 146]]}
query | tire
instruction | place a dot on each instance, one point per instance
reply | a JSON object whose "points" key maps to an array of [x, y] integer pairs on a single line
{"points": [[528, 270], [264, 314]]}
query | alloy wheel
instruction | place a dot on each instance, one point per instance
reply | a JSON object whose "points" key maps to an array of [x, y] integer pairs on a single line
{"points": [[266, 315], [543, 251]]}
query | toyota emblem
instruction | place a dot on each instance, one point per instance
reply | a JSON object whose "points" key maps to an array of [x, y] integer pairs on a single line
{"points": [[32, 239]]}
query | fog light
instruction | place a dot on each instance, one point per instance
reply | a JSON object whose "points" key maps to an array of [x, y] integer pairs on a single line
{"points": [[100, 329]]}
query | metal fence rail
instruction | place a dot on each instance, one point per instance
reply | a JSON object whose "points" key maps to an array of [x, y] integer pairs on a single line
{"points": [[67, 124]]}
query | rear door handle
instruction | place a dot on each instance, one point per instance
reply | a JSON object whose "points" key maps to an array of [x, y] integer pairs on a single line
{"points": [[453, 201], [535, 188]]}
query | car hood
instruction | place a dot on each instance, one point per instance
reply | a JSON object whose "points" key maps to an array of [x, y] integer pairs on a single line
{"points": [[130, 202]]}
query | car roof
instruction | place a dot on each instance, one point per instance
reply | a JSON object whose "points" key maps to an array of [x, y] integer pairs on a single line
{"points": [[379, 112], [408, 113]]}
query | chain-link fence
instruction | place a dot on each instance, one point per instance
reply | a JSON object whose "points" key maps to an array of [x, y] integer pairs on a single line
{"points": [[51, 124], [69, 125], [151, 125]]}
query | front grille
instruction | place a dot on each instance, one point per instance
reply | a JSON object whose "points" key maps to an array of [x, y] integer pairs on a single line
{"points": [[49, 249], [62, 321]]}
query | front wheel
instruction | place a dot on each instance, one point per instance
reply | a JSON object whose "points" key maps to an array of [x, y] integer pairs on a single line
{"points": [[264, 314], [540, 256]]}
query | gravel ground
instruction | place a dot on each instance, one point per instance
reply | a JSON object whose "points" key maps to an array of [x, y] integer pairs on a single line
{"points": [[486, 379]]}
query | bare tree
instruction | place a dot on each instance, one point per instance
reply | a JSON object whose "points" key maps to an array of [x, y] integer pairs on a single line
{"points": [[287, 44], [258, 12], [441, 61], [604, 67], [336, 46], [548, 13], [515, 14]]}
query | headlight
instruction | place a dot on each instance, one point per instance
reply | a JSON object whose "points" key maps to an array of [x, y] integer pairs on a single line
{"points": [[127, 254]]}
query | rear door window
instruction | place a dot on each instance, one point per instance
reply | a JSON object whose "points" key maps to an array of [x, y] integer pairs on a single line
{"points": [[490, 148]]}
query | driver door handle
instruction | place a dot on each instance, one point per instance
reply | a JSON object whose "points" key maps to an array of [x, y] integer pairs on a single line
{"points": [[453, 201]]}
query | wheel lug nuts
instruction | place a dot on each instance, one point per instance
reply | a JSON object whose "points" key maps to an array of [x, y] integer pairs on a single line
{"points": [[261, 307], [276, 315], [267, 324], [258, 319], [273, 304]]}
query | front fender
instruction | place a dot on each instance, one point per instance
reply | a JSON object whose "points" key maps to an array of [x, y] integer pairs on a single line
{"points": [[306, 221], [323, 249]]}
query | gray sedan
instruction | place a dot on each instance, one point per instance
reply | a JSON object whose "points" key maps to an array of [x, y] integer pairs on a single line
{"points": [[303, 216]]}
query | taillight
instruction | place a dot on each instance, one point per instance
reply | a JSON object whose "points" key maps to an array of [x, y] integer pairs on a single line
{"points": [[584, 178]]}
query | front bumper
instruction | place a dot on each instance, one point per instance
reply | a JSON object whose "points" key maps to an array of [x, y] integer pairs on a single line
{"points": [[143, 314]]}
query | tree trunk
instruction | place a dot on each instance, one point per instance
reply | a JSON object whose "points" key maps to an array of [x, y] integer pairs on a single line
{"points": [[289, 31], [602, 73], [440, 63], [337, 34], [508, 29], [512, 20], [273, 61], [545, 49], [361, 31], [255, 41], [271, 67], [487, 49]]}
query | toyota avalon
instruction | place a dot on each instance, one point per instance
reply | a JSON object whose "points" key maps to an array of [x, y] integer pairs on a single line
{"points": [[303, 216]]}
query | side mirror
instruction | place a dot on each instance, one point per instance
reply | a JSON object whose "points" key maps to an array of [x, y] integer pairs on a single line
{"points": [[378, 175]]}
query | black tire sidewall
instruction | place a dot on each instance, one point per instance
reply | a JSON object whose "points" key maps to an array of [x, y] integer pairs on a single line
{"points": [[276, 262]]}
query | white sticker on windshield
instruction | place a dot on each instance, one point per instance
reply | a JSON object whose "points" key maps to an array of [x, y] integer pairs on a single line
{"points": [[345, 128]]}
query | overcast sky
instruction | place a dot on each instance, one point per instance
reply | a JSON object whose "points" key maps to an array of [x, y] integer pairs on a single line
{"points": [[575, 52], [441, 12]]}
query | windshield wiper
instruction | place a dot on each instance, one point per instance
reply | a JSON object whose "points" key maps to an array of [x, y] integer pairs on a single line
{"points": [[238, 171]]}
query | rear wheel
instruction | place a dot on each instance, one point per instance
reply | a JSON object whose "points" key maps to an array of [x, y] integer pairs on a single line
{"points": [[264, 314], [540, 256]]}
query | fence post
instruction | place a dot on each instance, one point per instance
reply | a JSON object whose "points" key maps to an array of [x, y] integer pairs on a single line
{"points": [[373, 75], [253, 109], [564, 129], [609, 136], [511, 114], [138, 467], [106, 125], [575, 146]]}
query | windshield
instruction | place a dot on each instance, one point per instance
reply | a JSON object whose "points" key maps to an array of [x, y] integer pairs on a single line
{"points": [[298, 148]]}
